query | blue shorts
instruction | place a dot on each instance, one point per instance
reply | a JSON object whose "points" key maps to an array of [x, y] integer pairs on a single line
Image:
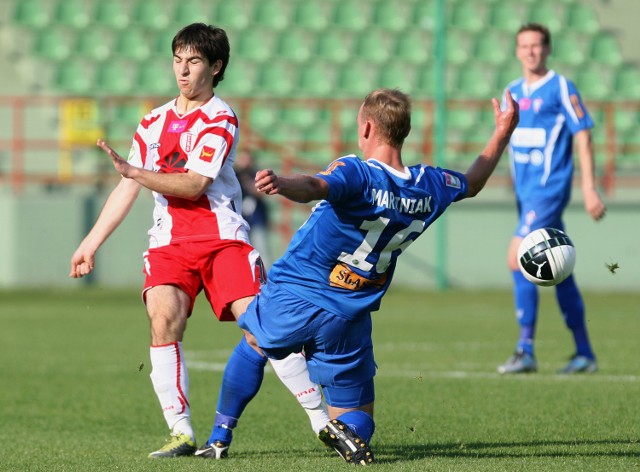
{"points": [[540, 214], [339, 352]]}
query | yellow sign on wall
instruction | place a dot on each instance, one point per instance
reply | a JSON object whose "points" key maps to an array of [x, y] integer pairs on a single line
{"points": [[80, 121]]}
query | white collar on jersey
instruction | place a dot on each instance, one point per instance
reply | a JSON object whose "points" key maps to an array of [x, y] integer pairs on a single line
{"points": [[528, 89], [402, 175]]}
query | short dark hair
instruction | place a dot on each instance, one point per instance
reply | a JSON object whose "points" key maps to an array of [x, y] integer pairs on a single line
{"points": [[537, 27], [210, 41], [390, 109]]}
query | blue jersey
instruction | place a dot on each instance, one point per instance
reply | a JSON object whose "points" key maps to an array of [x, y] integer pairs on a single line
{"points": [[551, 112], [343, 257]]}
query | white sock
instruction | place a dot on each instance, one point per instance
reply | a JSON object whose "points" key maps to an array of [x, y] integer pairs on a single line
{"points": [[171, 383], [292, 371]]}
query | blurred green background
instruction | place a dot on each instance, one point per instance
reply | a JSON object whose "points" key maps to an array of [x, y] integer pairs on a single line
{"points": [[75, 70]]}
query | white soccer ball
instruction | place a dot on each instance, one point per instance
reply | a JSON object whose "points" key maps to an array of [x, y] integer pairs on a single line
{"points": [[546, 256]]}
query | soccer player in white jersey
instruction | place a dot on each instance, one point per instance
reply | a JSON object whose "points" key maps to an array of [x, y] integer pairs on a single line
{"points": [[339, 264], [183, 151], [552, 116]]}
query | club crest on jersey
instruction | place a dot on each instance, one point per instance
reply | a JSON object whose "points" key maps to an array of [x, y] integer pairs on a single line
{"points": [[452, 180], [537, 104], [207, 153], [332, 167], [177, 126], [187, 142]]}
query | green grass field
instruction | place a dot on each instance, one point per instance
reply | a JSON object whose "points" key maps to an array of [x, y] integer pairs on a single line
{"points": [[76, 394]]}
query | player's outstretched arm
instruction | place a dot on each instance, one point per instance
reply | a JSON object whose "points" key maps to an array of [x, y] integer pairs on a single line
{"points": [[298, 187], [506, 121], [592, 201], [188, 185], [113, 213]]}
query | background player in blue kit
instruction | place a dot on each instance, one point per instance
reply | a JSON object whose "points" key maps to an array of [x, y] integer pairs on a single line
{"points": [[551, 116], [339, 264]]}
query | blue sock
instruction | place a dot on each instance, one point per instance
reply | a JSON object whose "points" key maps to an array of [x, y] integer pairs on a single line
{"points": [[359, 422], [525, 295], [241, 381], [572, 308]]}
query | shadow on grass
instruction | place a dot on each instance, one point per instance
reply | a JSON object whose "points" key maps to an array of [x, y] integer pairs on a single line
{"points": [[387, 453]]}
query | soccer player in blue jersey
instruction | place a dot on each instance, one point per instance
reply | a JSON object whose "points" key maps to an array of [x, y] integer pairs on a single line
{"points": [[339, 264], [552, 116]]}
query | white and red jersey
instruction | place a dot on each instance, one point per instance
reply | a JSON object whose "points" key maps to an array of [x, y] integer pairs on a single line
{"points": [[203, 140]]}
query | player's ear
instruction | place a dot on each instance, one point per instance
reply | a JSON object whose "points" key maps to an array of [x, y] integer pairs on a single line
{"points": [[217, 66], [367, 130]]}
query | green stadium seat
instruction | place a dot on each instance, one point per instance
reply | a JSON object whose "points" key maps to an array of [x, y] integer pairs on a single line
{"points": [[414, 46], [263, 116], [461, 119], [314, 15], [77, 77], [630, 148], [53, 43], [72, 13], [626, 119], [392, 16], [115, 77], [582, 18], [233, 15], [122, 121], [131, 112], [295, 45], [277, 79], [133, 43], [317, 79], [626, 83], [155, 77], [547, 12], [113, 14], [241, 78], [274, 15], [352, 15], [334, 46], [423, 15], [357, 79], [31, 13], [317, 140], [298, 116], [398, 75], [593, 82], [605, 50], [256, 44], [189, 11], [507, 74], [505, 17], [94, 43], [160, 44], [474, 80], [457, 47], [373, 45], [493, 47], [567, 48], [151, 14], [467, 16]]}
